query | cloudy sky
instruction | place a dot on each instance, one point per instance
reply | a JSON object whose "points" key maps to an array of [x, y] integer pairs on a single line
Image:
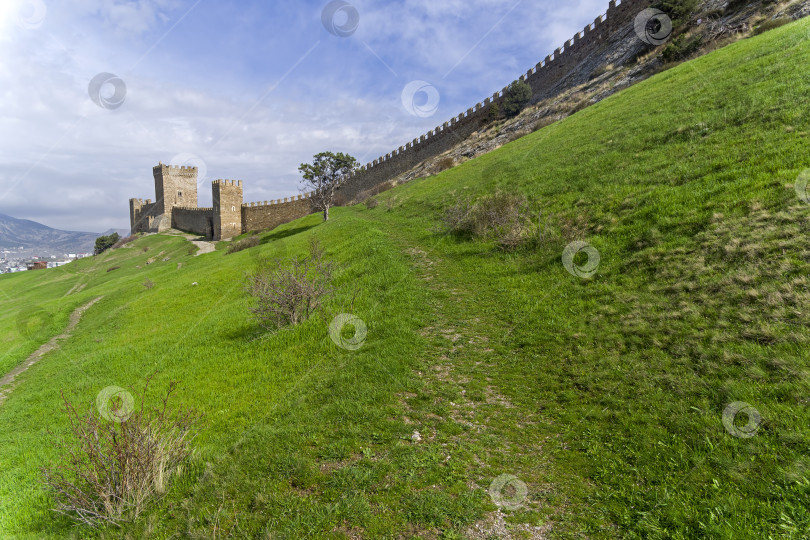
{"points": [[244, 89]]}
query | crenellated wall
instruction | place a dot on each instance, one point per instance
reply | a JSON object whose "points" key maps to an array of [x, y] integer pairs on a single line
{"points": [[194, 220], [542, 78], [269, 215], [176, 191], [142, 215]]}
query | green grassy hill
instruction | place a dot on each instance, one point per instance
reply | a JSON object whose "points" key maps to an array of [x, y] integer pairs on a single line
{"points": [[605, 396]]}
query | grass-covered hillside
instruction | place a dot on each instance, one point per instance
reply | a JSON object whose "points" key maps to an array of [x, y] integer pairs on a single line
{"points": [[605, 396]]}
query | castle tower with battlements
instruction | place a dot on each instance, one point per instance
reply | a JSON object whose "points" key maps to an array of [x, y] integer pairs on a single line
{"points": [[176, 187], [227, 196]]}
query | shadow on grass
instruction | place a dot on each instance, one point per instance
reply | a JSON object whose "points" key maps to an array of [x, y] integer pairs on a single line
{"points": [[247, 332], [280, 235]]}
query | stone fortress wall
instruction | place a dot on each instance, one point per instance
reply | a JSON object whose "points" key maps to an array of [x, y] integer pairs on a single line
{"points": [[176, 207], [176, 187], [196, 220], [269, 215], [542, 78]]}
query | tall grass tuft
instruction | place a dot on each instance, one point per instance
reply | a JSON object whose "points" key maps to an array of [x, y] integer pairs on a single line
{"points": [[113, 465]]}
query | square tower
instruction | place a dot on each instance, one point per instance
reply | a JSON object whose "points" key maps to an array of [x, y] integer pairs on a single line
{"points": [[227, 195], [174, 186]]}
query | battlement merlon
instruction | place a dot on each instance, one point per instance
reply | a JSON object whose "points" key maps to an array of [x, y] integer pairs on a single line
{"points": [[175, 168], [236, 183]]}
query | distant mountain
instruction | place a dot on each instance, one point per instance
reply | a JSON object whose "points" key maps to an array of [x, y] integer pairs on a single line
{"points": [[121, 232], [28, 234]]}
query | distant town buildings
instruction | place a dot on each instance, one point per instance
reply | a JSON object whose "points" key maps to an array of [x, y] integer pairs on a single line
{"points": [[16, 260]]}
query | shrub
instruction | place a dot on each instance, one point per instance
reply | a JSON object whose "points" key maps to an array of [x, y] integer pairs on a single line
{"points": [[518, 95], [245, 243], [110, 269], [543, 122], [375, 190], [103, 243], [287, 293], [493, 113], [124, 241], [148, 283], [373, 202], [119, 457], [444, 164], [681, 48], [678, 10], [502, 217], [770, 24]]}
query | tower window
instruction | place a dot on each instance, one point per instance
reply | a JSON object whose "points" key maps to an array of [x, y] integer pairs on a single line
{"points": [[233, 209], [179, 193]]}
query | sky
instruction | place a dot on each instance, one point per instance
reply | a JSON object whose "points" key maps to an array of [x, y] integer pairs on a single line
{"points": [[94, 93]]}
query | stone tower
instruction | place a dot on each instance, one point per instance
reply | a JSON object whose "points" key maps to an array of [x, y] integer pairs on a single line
{"points": [[174, 186], [227, 195]]}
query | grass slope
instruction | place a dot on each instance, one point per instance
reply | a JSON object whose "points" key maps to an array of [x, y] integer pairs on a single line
{"points": [[605, 396]]}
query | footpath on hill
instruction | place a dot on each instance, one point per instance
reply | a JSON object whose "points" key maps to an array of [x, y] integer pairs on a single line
{"points": [[469, 340], [7, 382]]}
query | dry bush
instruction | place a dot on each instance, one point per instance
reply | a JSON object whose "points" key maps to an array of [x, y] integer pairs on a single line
{"points": [[245, 243], [578, 105], [543, 122], [517, 134], [770, 24], [375, 190], [373, 202], [114, 464], [340, 200], [289, 292], [148, 283], [444, 164], [502, 217], [124, 241]]}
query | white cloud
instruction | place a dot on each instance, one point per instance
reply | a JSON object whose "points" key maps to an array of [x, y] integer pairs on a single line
{"points": [[68, 163]]}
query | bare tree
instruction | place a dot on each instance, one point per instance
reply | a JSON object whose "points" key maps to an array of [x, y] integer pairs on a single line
{"points": [[324, 175]]}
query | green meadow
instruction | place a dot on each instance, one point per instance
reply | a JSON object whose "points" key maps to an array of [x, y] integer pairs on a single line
{"points": [[604, 396]]}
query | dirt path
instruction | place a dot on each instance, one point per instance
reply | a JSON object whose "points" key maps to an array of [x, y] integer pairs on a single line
{"points": [[7, 382], [204, 246]]}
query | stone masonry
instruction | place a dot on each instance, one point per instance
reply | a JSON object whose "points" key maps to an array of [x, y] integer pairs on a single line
{"points": [[176, 187]]}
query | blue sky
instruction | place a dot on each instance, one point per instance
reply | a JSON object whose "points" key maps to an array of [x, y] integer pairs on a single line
{"points": [[246, 90]]}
